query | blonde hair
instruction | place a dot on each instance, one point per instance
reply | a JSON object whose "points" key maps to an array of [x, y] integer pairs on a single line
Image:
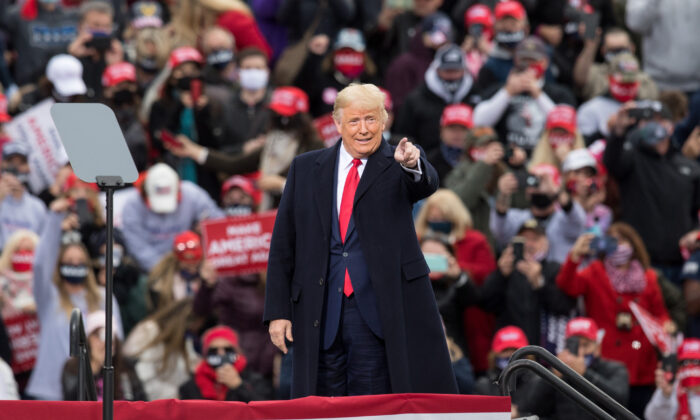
{"points": [[161, 279], [12, 244], [193, 16], [92, 291], [544, 152], [362, 95], [452, 209]]}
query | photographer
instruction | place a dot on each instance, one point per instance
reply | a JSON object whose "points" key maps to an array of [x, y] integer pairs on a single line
{"points": [[679, 399], [582, 354], [656, 182], [18, 208], [618, 274], [562, 217], [522, 290], [95, 46], [222, 374]]}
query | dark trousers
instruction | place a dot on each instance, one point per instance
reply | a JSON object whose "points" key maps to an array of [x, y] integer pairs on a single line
{"points": [[355, 364]]}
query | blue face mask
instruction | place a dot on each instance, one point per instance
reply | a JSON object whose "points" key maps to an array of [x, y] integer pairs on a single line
{"points": [[441, 227], [188, 276], [501, 362]]}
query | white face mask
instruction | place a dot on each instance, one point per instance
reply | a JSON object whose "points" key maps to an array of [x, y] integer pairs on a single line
{"points": [[253, 79]]}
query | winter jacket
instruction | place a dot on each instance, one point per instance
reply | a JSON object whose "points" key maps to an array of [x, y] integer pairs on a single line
{"points": [[545, 401], [149, 236], [238, 302], [603, 304], [659, 195], [515, 302]]}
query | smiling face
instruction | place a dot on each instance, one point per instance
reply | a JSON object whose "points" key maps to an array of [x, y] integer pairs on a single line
{"points": [[361, 130]]}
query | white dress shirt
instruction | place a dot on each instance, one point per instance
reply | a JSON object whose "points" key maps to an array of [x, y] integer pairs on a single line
{"points": [[344, 165]]}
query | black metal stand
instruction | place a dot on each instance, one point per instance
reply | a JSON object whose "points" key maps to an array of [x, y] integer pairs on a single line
{"points": [[78, 349], [108, 184]]}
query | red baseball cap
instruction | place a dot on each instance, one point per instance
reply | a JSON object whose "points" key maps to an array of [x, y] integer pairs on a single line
{"points": [[4, 116], [245, 184], [74, 182], [584, 327], [509, 9], [289, 100], [388, 102], [188, 247], [184, 55], [689, 349], [457, 114], [117, 73], [478, 14], [509, 338], [562, 116]]}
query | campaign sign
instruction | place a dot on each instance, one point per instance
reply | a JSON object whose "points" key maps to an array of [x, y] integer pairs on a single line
{"points": [[239, 245], [652, 328], [36, 129], [23, 330], [326, 129]]}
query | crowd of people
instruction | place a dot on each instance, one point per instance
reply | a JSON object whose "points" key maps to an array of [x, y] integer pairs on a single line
{"points": [[568, 165]]}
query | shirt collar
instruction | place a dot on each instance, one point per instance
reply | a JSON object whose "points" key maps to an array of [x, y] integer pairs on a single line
{"points": [[345, 159]]}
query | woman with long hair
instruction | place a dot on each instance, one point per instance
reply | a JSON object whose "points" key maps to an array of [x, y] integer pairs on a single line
{"points": [[164, 353], [290, 133], [618, 274], [63, 280], [444, 213], [16, 274]]}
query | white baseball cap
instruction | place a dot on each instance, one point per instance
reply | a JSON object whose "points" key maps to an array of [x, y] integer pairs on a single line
{"points": [[162, 187], [577, 159], [66, 74], [96, 320]]}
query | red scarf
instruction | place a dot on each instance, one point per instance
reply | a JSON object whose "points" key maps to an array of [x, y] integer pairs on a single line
{"points": [[205, 378], [688, 376]]}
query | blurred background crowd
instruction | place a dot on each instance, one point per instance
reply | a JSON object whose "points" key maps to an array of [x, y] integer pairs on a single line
{"points": [[565, 134]]}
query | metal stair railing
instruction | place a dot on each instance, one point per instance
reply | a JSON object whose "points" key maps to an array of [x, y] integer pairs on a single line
{"points": [[582, 392]]}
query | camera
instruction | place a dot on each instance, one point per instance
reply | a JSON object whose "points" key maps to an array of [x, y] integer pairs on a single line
{"points": [[532, 181], [646, 110], [476, 31], [623, 321], [100, 41], [216, 360], [518, 249], [603, 245]]}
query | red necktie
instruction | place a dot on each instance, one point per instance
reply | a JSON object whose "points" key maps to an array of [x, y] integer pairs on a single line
{"points": [[346, 211]]}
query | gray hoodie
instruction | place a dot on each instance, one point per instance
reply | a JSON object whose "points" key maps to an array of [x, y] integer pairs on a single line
{"points": [[669, 33]]}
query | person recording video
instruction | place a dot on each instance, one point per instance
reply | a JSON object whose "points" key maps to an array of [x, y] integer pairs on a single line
{"points": [[96, 46], [657, 183]]}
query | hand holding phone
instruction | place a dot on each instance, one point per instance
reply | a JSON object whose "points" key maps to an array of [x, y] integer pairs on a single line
{"points": [[591, 21], [518, 249], [169, 139]]}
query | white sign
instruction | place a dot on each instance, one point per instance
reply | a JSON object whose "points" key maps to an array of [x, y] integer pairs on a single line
{"points": [[35, 128]]}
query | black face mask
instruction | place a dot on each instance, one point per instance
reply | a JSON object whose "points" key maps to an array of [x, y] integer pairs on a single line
{"points": [[509, 40], [183, 83], [541, 201], [123, 97], [219, 59], [73, 274]]}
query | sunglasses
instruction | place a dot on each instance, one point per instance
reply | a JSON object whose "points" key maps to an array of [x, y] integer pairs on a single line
{"points": [[227, 349]]}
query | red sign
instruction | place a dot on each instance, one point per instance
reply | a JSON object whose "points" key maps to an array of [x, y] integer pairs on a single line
{"points": [[326, 129], [653, 329], [23, 330], [239, 245]]}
